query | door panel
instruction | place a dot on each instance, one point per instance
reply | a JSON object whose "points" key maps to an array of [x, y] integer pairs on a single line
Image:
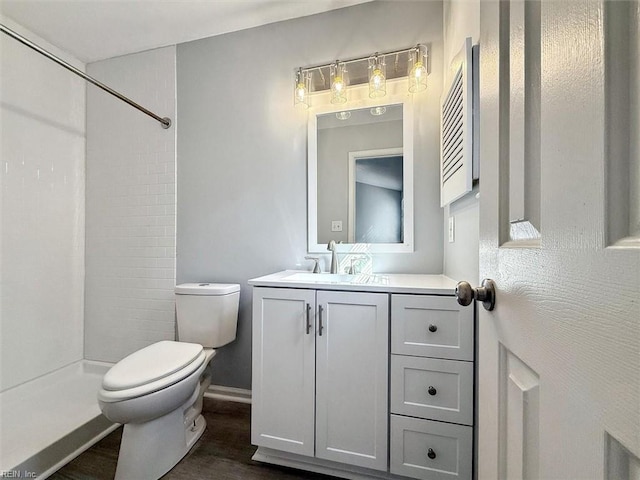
{"points": [[561, 350], [351, 378], [283, 391]]}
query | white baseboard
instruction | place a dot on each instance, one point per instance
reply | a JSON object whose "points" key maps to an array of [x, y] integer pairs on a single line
{"points": [[229, 394]]}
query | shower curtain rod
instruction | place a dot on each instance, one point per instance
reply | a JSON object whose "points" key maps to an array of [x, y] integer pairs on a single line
{"points": [[166, 122]]}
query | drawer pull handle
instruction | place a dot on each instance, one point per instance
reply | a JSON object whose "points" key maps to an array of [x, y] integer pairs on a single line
{"points": [[432, 328], [432, 390], [431, 454]]}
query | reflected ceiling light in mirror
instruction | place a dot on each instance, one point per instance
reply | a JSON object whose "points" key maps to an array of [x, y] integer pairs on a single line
{"points": [[417, 69], [377, 76], [339, 81], [302, 89], [377, 111], [343, 115]]}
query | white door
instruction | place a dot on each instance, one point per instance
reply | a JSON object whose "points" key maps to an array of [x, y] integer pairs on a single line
{"points": [[283, 366], [352, 356], [559, 357]]}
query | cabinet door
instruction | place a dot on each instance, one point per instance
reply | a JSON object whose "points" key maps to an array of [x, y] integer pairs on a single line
{"points": [[351, 378], [283, 365]]}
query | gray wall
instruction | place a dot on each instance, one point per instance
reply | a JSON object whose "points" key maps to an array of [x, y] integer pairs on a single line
{"points": [[461, 19], [241, 183]]}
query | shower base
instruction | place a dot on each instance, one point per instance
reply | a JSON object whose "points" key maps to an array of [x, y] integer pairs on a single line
{"points": [[47, 422]]}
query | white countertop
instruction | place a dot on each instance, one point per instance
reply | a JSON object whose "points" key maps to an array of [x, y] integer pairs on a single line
{"points": [[378, 282]]}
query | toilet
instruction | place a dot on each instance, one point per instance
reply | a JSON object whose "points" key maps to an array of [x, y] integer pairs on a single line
{"points": [[157, 391]]}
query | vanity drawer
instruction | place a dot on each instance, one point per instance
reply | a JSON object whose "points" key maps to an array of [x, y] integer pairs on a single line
{"points": [[432, 388], [431, 326], [430, 450]]}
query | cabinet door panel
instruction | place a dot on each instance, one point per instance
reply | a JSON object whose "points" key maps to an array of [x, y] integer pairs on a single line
{"points": [[351, 378], [282, 412]]}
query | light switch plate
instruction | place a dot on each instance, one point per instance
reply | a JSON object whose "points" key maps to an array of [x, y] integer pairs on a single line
{"points": [[336, 225]]}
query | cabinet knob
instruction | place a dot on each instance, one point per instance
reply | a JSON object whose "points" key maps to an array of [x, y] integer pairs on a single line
{"points": [[431, 454], [433, 328], [432, 390]]}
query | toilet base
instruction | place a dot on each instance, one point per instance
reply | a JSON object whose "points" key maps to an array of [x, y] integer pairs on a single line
{"points": [[149, 450], [195, 431]]}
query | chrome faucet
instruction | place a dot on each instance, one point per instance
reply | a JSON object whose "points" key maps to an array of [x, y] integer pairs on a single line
{"points": [[334, 256]]}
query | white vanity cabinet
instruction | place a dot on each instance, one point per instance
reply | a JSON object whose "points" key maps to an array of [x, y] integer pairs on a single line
{"points": [[320, 374], [363, 377], [432, 374]]}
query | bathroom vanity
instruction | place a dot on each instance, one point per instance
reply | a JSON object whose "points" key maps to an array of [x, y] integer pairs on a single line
{"points": [[363, 376]]}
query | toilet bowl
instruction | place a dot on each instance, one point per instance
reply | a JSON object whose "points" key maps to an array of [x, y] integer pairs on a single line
{"points": [[157, 391]]}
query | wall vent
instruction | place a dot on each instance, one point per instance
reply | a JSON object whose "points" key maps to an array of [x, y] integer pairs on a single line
{"points": [[458, 167]]}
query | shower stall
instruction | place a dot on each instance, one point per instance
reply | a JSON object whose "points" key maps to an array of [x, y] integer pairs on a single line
{"points": [[87, 239]]}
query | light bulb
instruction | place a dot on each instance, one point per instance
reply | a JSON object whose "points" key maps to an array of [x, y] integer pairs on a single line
{"points": [[302, 88], [377, 79], [339, 82], [417, 69], [301, 92]]}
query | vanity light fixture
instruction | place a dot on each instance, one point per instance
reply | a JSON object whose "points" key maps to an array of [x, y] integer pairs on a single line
{"points": [[377, 111], [377, 76], [339, 82], [302, 89], [339, 76], [417, 69], [343, 115]]}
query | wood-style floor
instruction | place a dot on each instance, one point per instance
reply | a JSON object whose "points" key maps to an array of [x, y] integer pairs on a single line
{"points": [[223, 453]]}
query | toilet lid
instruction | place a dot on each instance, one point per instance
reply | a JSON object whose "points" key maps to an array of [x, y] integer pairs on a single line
{"points": [[150, 364]]}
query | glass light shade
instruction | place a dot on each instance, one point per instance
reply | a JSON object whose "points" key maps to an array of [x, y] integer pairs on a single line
{"points": [[302, 88], [339, 82], [377, 77], [343, 115], [377, 111], [417, 69]]}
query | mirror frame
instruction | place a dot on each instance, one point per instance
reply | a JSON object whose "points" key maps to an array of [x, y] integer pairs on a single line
{"points": [[407, 245]]}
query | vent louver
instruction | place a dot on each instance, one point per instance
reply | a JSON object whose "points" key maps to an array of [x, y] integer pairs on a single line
{"points": [[456, 143]]}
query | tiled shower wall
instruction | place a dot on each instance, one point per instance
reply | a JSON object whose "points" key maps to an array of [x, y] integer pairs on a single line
{"points": [[42, 147], [130, 207]]}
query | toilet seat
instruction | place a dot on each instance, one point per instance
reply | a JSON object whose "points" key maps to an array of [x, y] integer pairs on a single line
{"points": [[151, 369]]}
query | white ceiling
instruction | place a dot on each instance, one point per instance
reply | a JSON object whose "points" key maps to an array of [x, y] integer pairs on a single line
{"points": [[93, 30]]}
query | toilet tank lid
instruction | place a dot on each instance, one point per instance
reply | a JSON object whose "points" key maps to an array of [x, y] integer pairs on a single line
{"points": [[207, 288]]}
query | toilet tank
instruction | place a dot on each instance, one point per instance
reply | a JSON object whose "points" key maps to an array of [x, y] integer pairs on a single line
{"points": [[207, 313]]}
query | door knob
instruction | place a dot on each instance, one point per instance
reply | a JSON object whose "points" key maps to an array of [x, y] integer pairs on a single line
{"points": [[486, 293]]}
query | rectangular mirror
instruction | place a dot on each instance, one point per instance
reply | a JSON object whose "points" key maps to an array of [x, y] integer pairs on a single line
{"points": [[360, 178]]}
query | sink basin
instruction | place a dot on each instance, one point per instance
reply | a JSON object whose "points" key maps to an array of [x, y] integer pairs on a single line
{"points": [[320, 277], [334, 278]]}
